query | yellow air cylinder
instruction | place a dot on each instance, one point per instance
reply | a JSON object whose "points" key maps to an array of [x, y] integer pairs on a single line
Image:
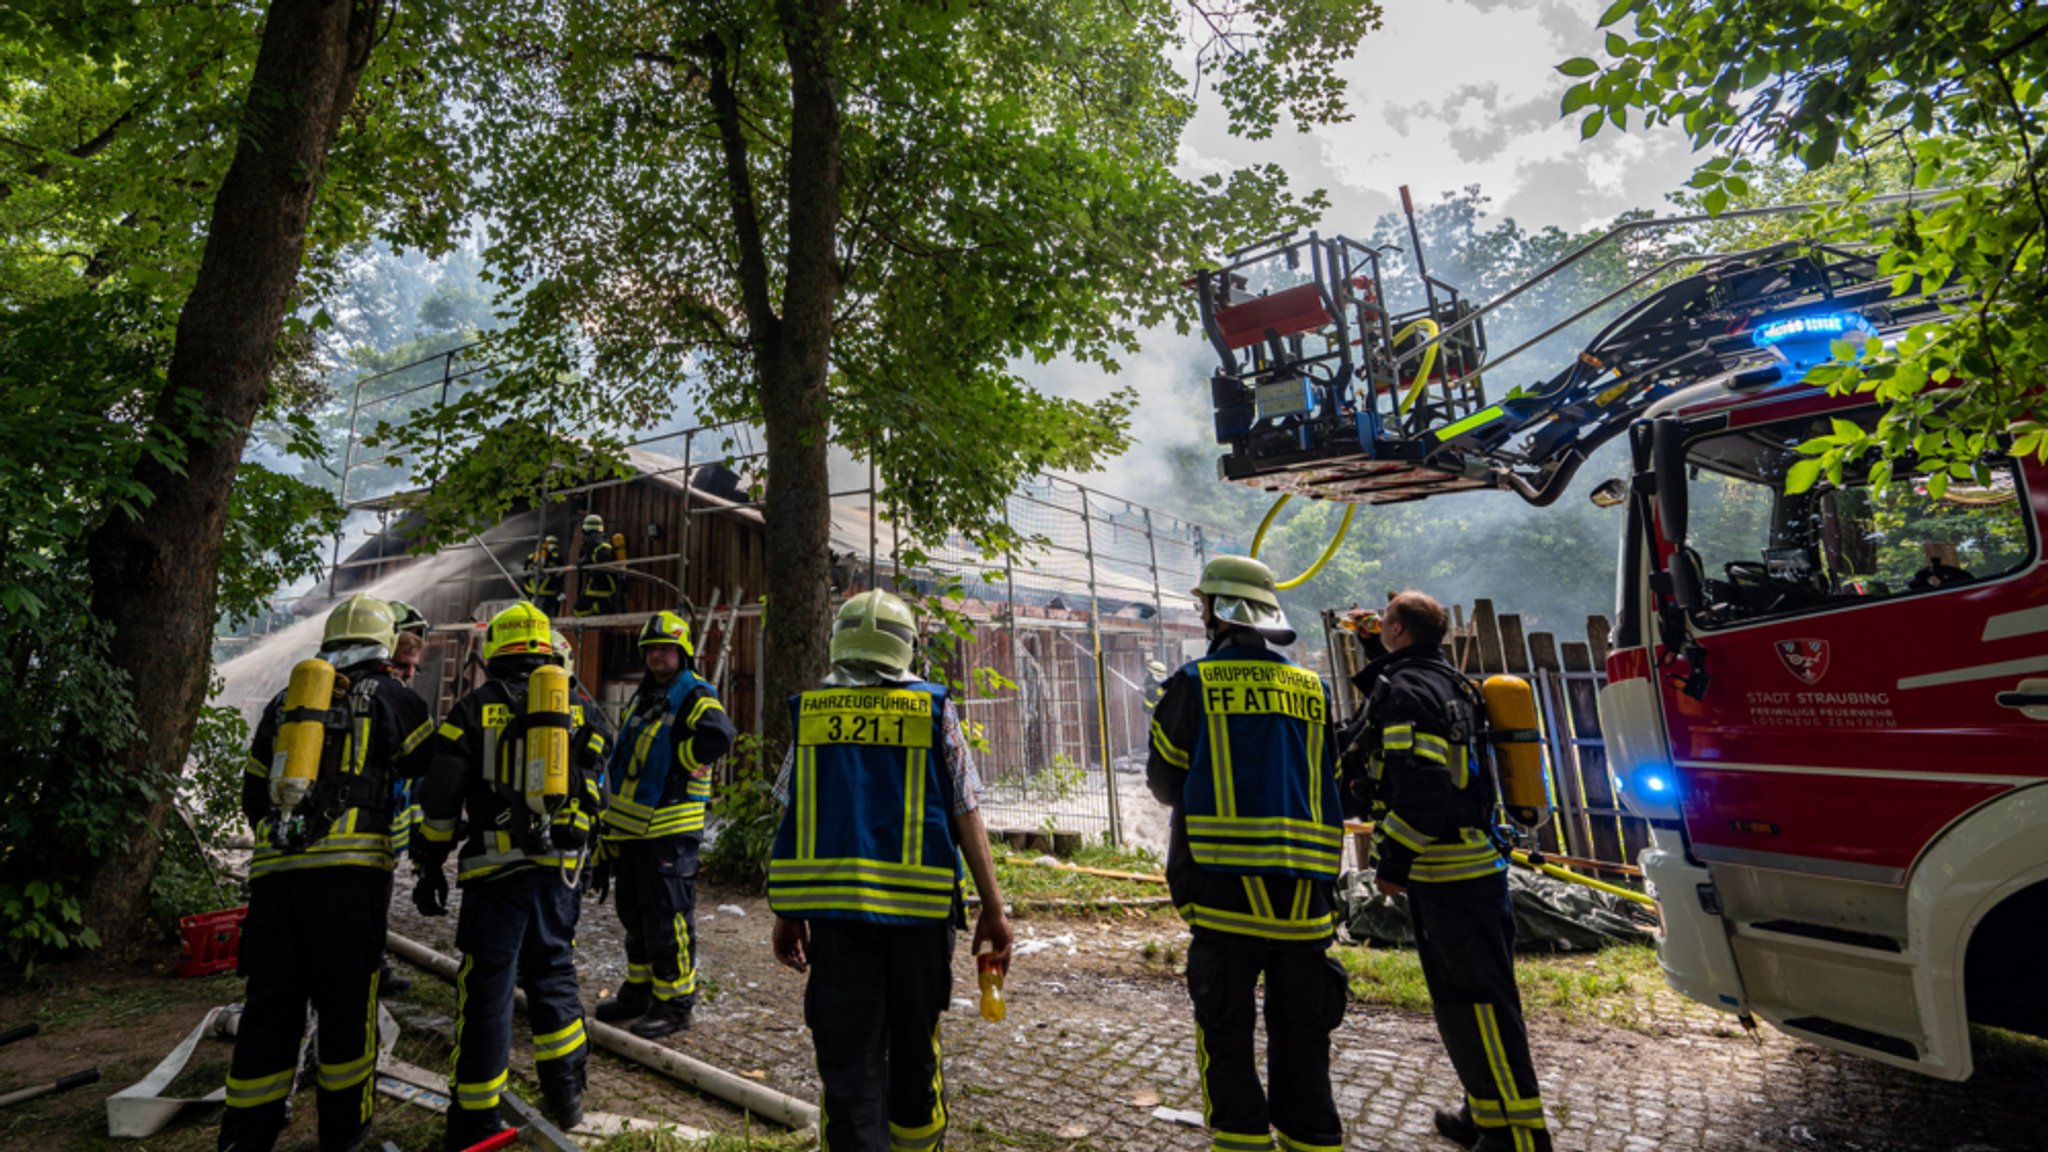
{"points": [[547, 745], [295, 758], [618, 545], [1517, 750]]}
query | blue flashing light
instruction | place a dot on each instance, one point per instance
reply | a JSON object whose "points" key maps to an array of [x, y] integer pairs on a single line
{"points": [[1814, 326], [1655, 784]]}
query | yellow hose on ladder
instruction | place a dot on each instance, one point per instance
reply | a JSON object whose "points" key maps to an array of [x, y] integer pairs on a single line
{"points": [[1429, 329], [1522, 858], [1343, 527]]}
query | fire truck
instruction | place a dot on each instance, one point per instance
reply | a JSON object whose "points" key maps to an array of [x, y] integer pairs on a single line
{"points": [[1830, 704]]}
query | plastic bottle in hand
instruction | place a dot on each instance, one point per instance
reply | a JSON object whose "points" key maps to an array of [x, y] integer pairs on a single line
{"points": [[992, 1008]]}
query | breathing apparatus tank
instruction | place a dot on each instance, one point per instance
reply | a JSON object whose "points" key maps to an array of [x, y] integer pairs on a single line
{"points": [[300, 744], [546, 778], [1517, 750]]}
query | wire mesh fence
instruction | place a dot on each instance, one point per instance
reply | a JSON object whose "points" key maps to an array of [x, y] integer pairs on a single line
{"points": [[1071, 632]]}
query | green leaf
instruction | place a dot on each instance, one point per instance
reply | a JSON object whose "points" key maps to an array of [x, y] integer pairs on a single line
{"points": [[1578, 66], [1801, 476], [1715, 201], [1575, 97], [1937, 485], [1617, 45], [1616, 11], [1591, 126]]}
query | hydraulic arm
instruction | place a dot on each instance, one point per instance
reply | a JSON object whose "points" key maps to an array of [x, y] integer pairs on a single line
{"points": [[1320, 390]]}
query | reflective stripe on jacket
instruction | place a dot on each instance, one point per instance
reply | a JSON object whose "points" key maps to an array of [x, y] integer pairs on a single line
{"points": [[868, 832], [1261, 795], [658, 786]]}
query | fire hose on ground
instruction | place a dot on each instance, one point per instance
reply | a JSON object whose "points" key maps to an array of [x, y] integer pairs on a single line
{"points": [[756, 1098]]}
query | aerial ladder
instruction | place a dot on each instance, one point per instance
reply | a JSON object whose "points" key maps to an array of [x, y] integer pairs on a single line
{"points": [[1324, 391]]}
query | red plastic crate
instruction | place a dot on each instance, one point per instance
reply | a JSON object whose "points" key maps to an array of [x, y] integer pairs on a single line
{"points": [[211, 939]]}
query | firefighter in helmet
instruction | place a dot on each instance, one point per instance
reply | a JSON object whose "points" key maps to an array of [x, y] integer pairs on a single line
{"points": [[597, 588], [1243, 750], [674, 730], [880, 801], [1431, 798], [542, 581], [318, 790], [511, 755]]}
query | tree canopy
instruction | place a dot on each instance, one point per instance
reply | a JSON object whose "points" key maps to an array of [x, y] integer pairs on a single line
{"points": [[1955, 94]]}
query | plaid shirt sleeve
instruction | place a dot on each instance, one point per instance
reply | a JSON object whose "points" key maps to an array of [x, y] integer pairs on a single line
{"points": [[960, 758], [782, 777]]}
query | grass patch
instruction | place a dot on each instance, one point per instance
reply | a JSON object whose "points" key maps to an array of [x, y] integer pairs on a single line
{"points": [[1022, 880], [1608, 987]]}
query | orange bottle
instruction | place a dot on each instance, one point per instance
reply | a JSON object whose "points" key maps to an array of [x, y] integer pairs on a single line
{"points": [[992, 1007]]}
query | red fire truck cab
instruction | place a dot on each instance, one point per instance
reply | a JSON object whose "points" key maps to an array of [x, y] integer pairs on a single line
{"points": [[1833, 708]]}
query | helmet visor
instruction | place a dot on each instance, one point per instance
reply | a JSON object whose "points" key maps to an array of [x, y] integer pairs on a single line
{"points": [[1265, 619]]}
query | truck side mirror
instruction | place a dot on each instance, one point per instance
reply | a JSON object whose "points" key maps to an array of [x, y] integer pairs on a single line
{"points": [[1611, 493], [1667, 460]]}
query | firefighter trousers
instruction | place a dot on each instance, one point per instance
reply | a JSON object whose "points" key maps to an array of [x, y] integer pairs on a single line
{"points": [[1305, 994], [313, 936], [1465, 938], [655, 884], [518, 925], [873, 1005]]}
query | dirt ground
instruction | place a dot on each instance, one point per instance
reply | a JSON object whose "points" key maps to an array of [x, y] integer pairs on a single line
{"points": [[1097, 1054]]}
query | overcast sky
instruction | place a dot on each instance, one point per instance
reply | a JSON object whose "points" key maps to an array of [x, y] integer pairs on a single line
{"points": [[1456, 92], [1447, 93]]}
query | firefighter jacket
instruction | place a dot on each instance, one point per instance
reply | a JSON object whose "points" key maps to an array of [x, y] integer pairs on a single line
{"points": [[479, 763], [596, 587], [543, 577], [1415, 769], [868, 831], [1243, 750], [379, 735], [660, 773]]}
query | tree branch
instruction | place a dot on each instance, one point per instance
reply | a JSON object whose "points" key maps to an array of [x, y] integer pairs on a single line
{"points": [[739, 181]]}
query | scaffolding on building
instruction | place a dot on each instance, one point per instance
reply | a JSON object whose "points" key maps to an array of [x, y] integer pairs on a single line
{"points": [[1054, 681]]}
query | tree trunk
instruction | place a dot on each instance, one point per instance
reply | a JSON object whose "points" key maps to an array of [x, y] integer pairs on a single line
{"points": [[156, 579], [794, 369]]}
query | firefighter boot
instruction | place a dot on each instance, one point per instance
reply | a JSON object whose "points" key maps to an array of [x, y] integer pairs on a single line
{"points": [[563, 1102], [391, 982], [631, 1001], [469, 1127], [665, 1017], [1457, 1126], [1500, 1140]]}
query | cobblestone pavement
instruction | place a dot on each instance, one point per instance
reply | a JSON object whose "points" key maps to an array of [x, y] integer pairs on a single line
{"points": [[1100, 1036]]}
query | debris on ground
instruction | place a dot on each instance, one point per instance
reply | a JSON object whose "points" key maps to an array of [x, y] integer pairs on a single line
{"points": [[1550, 915]]}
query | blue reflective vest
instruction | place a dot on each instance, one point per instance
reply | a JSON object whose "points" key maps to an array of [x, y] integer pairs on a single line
{"points": [[1261, 795], [653, 741], [868, 833]]}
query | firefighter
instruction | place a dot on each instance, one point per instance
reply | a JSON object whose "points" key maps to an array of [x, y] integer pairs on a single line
{"points": [[1431, 797], [542, 581], [320, 883], [519, 869], [1243, 750], [674, 730], [866, 899], [597, 589]]}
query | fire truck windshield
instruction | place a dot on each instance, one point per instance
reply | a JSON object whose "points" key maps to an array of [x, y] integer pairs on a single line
{"points": [[1762, 552]]}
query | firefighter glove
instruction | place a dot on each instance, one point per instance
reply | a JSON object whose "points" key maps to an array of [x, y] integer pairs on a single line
{"points": [[430, 892], [601, 880]]}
